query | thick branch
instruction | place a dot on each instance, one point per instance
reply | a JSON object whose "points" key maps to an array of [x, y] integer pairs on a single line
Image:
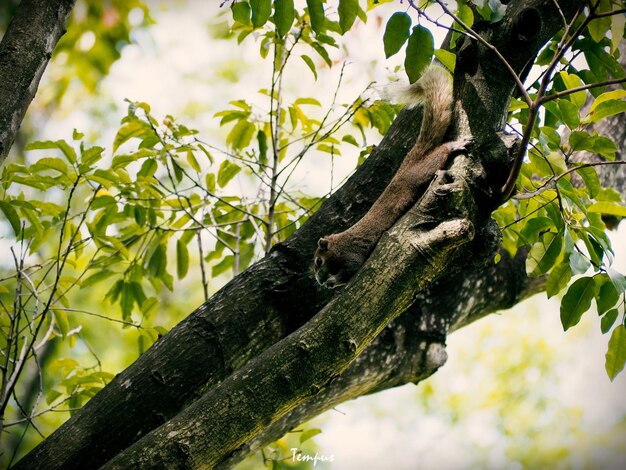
{"points": [[297, 368], [277, 295], [25, 51]]}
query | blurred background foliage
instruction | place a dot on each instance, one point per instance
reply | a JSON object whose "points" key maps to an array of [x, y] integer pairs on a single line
{"points": [[219, 183]]}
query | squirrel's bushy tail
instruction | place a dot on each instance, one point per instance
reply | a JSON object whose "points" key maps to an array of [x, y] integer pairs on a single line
{"points": [[434, 91]]}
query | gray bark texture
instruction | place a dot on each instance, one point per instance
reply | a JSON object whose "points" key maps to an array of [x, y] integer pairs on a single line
{"points": [[272, 349], [25, 51]]}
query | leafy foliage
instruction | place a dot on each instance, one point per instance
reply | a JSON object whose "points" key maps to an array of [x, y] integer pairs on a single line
{"points": [[137, 220], [560, 213]]}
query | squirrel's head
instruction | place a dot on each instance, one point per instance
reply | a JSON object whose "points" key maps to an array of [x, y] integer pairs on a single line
{"points": [[334, 264]]}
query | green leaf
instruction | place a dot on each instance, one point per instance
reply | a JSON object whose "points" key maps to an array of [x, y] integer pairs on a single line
{"points": [[350, 139], [129, 130], [573, 81], [308, 434], [148, 168], [148, 307], [91, 155], [607, 96], [618, 24], [241, 135], [138, 294], [56, 164], [309, 62], [608, 207], [193, 162], [533, 228], [284, 14], [52, 395], [618, 279], [616, 354], [590, 177], [210, 182], [544, 253], [114, 292], [261, 138], [607, 296], [577, 301], [158, 261], [241, 12], [227, 172], [311, 101], [67, 150], [608, 320], [606, 109], [316, 13], [559, 278], [605, 147], [62, 321], [598, 28], [182, 259], [419, 52], [261, 11], [323, 53], [11, 214], [127, 301], [96, 277], [222, 266], [348, 10], [447, 58], [569, 113], [397, 32]]}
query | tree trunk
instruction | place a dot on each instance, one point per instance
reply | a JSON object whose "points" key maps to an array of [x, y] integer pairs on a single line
{"points": [[25, 51], [240, 346]]}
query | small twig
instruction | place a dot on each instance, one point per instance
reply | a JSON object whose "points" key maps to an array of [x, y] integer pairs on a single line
{"points": [[205, 284], [551, 182], [569, 91]]}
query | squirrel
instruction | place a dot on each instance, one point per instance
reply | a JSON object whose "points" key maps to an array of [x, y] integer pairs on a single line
{"points": [[339, 256]]}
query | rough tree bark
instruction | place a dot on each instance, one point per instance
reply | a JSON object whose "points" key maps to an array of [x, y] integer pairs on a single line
{"points": [[25, 51], [195, 364]]}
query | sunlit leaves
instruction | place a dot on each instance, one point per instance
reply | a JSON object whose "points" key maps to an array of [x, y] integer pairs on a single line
{"points": [[66, 149], [133, 128], [608, 207], [447, 58], [544, 253], [227, 172], [593, 143], [241, 135], [616, 354]]}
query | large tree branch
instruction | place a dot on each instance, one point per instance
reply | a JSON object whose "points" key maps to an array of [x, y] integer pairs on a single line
{"points": [[278, 295], [25, 51], [306, 362]]}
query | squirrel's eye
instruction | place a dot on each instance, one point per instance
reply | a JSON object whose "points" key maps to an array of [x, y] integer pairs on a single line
{"points": [[318, 262]]}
